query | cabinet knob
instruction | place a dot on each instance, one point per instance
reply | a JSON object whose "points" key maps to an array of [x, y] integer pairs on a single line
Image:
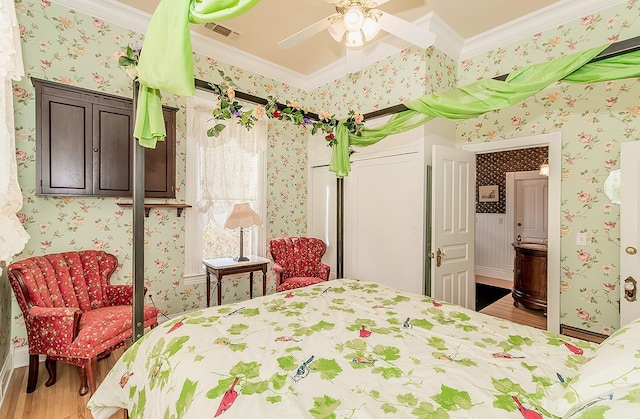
{"points": [[95, 149]]}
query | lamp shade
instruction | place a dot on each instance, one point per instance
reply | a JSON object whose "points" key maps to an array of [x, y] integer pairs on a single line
{"points": [[354, 18], [337, 30], [242, 216], [370, 28], [354, 39]]}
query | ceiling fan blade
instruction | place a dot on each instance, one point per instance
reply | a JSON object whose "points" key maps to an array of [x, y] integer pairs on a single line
{"points": [[376, 3], [406, 30], [306, 33]]}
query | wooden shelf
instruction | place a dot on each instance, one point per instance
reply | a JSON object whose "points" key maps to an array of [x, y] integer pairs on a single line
{"points": [[147, 207]]}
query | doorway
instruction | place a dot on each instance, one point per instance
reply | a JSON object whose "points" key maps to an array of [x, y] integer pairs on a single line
{"points": [[553, 141]]}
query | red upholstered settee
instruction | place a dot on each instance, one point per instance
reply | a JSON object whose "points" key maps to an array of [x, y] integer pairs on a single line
{"points": [[72, 313], [297, 262]]}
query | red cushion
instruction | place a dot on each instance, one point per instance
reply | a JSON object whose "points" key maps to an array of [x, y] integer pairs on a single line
{"points": [[298, 282]]}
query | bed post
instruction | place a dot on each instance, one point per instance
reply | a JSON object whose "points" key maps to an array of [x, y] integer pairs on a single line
{"points": [[340, 228], [138, 230]]}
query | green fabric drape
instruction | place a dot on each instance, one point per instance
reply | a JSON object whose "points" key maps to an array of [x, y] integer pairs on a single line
{"points": [[166, 61], [487, 95]]}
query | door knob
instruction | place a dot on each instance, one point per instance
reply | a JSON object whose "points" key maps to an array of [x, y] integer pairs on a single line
{"points": [[631, 250], [439, 257], [519, 224], [630, 289]]}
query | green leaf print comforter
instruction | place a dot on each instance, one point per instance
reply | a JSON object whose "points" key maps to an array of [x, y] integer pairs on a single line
{"points": [[342, 349]]}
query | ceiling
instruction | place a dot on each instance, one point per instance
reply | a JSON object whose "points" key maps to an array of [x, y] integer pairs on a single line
{"points": [[463, 28], [270, 21]]}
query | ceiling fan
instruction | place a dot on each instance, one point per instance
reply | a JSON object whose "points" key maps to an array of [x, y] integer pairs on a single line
{"points": [[355, 19]]}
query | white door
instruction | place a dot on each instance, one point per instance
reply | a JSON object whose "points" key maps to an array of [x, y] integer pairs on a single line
{"points": [[384, 222], [322, 212], [629, 230], [453, 215], [531, 208]]}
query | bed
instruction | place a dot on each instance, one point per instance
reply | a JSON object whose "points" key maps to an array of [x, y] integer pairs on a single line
{"points": [[358, 349]]}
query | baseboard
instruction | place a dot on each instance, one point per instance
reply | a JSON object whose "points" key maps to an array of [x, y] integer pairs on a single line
{"points": [[21, 354], [574, 332], [504, 274], [5, 374]]}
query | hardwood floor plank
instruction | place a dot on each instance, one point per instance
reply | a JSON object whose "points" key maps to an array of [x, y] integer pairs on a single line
{"points": [[60, 401]]}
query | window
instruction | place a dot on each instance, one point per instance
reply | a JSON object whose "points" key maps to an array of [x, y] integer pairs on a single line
{"points": [[221, 171]]}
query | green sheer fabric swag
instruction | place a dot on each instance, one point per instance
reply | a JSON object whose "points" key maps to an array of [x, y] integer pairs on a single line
{"points": [[166, 61], [487, 95]]}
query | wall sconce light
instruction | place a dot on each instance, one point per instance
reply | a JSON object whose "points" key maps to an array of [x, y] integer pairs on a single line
{"points": [[612, 186], [544, 168]]}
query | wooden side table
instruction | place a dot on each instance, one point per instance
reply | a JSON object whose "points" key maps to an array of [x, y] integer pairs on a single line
{"points": [[228, 266]]}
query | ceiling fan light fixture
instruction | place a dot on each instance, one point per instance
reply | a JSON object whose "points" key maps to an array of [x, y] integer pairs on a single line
{"points": [[354, 39], [370, 28], [354, 18], [337, 30]]}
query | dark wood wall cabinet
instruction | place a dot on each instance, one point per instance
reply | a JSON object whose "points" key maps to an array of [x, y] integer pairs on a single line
{"points": [[530, 276], [84, 145]]}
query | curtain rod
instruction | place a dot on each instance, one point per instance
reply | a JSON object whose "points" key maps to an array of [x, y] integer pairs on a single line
{"points": [[206, 86], [617, 48]]}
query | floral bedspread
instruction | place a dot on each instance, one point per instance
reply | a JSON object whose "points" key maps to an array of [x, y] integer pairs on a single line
{"points": [[344, 348]]}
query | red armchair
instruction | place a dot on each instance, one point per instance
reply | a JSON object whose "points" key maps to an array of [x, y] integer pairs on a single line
{"points": [[297, 262], [72, 313]]}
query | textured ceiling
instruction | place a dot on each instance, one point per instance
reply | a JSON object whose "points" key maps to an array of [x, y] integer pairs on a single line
{"points": [[270, 21]]}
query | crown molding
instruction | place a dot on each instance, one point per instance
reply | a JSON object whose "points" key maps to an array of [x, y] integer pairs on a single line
{"points": [[447, 40], [549, 17], [133, 19]]}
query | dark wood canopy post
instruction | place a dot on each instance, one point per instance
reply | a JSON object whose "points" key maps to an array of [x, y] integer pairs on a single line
{"points": [[138, 230]]}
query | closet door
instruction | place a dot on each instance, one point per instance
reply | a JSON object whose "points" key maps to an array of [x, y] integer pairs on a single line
{"points": [[384, 221]]}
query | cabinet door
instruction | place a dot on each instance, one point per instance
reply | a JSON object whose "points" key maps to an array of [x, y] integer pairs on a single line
{"points": [[65, 142], [112, 135], [160, 163], [84, 145]]}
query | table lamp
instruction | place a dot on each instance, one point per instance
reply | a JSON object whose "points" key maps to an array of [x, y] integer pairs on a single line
{"points": [[242, 216]]}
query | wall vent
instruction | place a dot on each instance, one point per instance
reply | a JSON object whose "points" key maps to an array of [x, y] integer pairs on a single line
{"points": [[222, 30]]}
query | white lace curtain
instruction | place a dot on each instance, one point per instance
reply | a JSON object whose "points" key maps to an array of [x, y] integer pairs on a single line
{"points": [[226, 176], [13, 237]]}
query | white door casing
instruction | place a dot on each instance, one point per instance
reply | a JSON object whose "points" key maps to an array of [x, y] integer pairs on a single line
{"points": [[554, 142], [629, 228], [453, 225]]}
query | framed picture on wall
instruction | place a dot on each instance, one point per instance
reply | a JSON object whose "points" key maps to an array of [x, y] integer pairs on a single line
{"points": [[488, 193]]}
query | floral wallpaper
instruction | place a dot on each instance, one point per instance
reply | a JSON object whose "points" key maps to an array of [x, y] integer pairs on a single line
{"points": [[410, 75], [72, 48], [69, 47], [593, 119]]}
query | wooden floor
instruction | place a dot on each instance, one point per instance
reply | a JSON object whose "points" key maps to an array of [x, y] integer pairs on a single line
{"points": [[504, 308], [61, 401]]}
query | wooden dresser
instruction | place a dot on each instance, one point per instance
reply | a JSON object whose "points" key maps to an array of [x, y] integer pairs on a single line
{"points": [[530, 275]]}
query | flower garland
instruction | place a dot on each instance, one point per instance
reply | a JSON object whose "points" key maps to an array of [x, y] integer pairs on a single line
{"points": [[229, 108]]}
